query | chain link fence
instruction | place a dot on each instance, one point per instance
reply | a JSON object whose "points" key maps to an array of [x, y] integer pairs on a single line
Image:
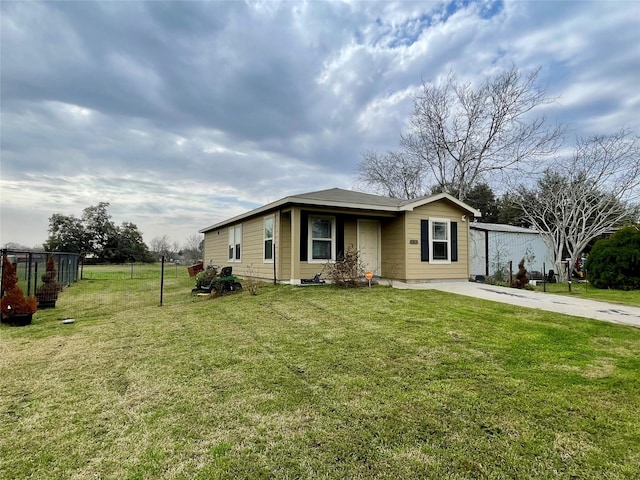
{"points": [[30, 266], [94, 287]]}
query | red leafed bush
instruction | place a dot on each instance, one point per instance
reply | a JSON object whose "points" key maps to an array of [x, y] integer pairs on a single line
{"points": [[13, 300], [48, 291]]}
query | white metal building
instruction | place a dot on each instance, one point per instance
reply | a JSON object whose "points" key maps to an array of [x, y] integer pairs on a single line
{"points": [[492, 246]]}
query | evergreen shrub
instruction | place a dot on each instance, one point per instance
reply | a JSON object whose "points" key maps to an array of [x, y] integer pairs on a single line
{"points": [[615, 262]]}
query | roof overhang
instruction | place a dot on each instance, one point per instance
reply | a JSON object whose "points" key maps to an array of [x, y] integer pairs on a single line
{"points": [[409, 205]]}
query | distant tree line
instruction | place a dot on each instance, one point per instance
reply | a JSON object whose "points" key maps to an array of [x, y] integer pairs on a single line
{"points": [[95, 236], [190, 252]]}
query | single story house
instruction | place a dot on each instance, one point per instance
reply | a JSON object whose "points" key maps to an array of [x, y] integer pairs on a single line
{"points": [[291, 239], [492, 246]]}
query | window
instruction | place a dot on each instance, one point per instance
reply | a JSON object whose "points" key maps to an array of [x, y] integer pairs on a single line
{"points": [[322, 239], [268, 239], [235, 243], [438, 240]]}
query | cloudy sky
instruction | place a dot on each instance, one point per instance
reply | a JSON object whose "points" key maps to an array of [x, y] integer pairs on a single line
{"points": [[181, 114]]}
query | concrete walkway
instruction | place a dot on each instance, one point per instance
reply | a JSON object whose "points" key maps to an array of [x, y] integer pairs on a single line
{"points": [[608, 312]]}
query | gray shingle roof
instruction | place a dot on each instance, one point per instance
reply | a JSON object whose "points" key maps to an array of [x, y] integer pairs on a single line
{"points": [[339, 198], [350, 196]]}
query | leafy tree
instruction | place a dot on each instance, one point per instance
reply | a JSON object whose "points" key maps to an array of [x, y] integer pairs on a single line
{"points": [[585, 196], [481, 197], [615, 262], [131, 246], [460, 133], [509, 211], [67, 234], [96, 234], [101, 231]]}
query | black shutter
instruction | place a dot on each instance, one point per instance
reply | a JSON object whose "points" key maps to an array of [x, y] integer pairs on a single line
{"points": [[454, 241], [340, 237], [424, 240], [304, 233]]}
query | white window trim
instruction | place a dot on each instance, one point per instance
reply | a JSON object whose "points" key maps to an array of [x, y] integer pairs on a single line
{"points": [[310, 258], [432, 222], [233, 242], [265, 238]]}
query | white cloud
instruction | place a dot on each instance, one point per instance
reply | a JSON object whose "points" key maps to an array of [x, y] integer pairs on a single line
{"points": [[150, 105]]}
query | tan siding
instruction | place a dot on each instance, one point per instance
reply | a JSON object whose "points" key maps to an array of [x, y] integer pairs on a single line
{"points": [[418, 270], [350, 233], [252, 262], [394, 248], [252, 250], [308, 270], [284, 242], [215, 247], [400, 258]]}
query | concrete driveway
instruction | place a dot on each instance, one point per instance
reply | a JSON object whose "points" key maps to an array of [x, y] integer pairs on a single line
{"points": [[608, 312]]}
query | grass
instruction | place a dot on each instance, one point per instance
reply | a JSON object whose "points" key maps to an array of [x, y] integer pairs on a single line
{"points": [[584, 290], [135, 271], [314, 383]]}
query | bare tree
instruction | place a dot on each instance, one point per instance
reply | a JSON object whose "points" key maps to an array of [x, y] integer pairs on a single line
{"points": [[193, 248], [163, 246], [587, 195], [20, 246], [394, 174], [460, 135]]}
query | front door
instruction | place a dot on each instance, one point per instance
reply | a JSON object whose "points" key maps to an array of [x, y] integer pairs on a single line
{"points": [[369, 245]]}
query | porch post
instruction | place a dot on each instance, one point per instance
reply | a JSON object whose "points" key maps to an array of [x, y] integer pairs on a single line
{"points": [[295, 245]]}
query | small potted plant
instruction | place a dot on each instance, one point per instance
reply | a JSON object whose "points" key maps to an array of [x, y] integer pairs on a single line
{"points": [[47, 293], [16, 309]]}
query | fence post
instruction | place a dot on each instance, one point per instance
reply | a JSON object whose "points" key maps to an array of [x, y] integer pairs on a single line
{"points": [[61, 270], [69, 263], [29, 259], [161, 280], [35, 274], [510, 273], [586, 281], [4, 252]]}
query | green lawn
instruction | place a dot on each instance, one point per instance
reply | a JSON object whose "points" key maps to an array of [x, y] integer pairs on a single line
{"points": [[135, 271], [314, 382], [584, 290]]}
